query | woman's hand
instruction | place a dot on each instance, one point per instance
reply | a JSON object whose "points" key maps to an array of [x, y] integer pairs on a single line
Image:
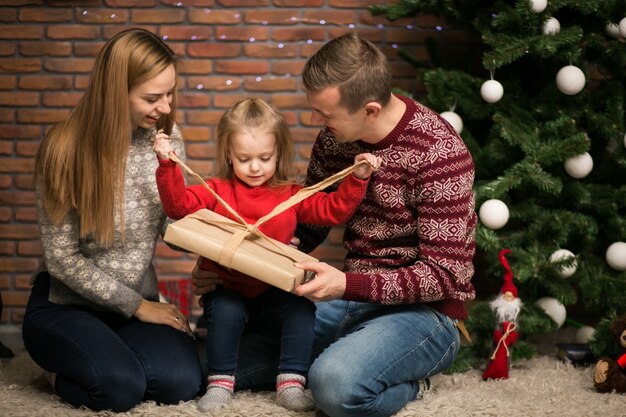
{"points": [[365, 170], [162, 146], [163, 313]]}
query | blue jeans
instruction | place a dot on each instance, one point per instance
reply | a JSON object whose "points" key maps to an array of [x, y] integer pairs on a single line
{"points": [[105, 361], [371, 357], [226, 314]]}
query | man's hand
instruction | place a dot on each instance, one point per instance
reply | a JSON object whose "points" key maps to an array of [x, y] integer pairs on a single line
{"points": [[328, 284], [203, 281]]}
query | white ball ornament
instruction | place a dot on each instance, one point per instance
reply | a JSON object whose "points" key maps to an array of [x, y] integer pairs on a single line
{"points": [[561, 255], [616, 256], [570, 80], [493, 214], [538, 6], [579, 166], [622, 27], [454, 120], [491, 91], [551, 26], [584, 334], [553, 308], [612, 30]]}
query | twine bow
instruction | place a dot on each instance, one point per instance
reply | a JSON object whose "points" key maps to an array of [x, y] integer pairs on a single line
{"points": [[245, 229], [506, 334]]}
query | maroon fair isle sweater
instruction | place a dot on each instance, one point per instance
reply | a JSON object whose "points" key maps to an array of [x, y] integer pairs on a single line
{"points": [[412, 238], [252, 203]]}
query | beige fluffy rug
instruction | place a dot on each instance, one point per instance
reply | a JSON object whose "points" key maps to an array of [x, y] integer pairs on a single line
{"points": [[543, 386]]}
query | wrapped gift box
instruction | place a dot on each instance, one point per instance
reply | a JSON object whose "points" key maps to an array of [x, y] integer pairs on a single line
{"points": [[207, 234]]}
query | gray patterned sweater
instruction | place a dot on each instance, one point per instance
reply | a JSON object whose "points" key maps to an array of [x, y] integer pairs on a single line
{"points": [[119, 277]]}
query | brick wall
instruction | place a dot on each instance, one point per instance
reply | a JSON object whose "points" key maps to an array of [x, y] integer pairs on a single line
{"points": [[230, 49]]}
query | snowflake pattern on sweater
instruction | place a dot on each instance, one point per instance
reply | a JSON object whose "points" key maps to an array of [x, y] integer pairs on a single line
{"points": [[412, 238]]}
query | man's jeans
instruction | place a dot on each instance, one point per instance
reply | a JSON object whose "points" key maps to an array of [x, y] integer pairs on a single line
{"points": [[369, 358]]}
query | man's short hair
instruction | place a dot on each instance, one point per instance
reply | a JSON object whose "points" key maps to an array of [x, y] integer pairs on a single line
{"points": [[356, 66]]}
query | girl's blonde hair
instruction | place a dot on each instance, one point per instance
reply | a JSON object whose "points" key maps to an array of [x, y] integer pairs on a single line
{"points": [[81, 163], [253, 113]]}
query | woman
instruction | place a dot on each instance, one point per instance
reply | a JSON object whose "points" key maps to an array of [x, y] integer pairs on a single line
{"points": [[93, 320]]}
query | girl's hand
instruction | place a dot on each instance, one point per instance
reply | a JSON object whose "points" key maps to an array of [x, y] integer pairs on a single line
{"points": [[162, 146], [163, 313], [365, 170]]}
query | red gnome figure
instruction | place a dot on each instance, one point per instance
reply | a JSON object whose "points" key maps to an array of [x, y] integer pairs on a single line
{"points": [[506, 307]]}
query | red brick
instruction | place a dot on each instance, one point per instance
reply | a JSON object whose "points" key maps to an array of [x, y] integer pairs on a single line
{"points": [[133, 4], [6, 248], [217, 83], [264, 50], [19, 231], [158, 16], [304, 135], [22, 282], [8, 15], [24, 182], [6, 148], [21, 32], [164, 251], [298, 3], [6, 214], [214, 50], [87, 48], [337, 17], [190, 3], [224, 101], [272, 17], [214, 17], [20, 65], [244, 3], [73, 32], [193, 100], [186, 33], [103, 16], [21, 2], [299, 34], [20, 132], [196, 134], [195, 66], [26, 148], [45, 48], [45, 15], [271, 84], [368, 19], [200, 151], [6, 115], [290, 117], [46, 82], [241, 67], [61, 99], [19, 98], [81, 81], [202, 168], [291, 67], [7, 48], [32, 248], [16, 165], [41, 116], [8, 82], [244, 34], [208, 117], [109, 31], [15, 198], [350, 3], [372, 35], [17, 298], [81, 65], [290, 101]]}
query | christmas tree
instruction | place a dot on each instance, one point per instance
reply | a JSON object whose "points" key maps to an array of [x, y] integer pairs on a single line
{"points": [[543, 116]]}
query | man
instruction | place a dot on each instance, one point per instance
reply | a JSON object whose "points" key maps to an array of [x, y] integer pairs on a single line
{"points": [[387, 321]]}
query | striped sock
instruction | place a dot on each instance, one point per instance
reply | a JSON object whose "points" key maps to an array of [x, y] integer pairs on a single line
{"points": [[290, 393], [218, 393]]}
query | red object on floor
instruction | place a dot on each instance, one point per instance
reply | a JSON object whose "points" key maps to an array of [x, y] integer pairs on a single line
{"points": [[178, 292]]}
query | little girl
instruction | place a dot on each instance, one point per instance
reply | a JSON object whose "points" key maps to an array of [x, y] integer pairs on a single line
{"points": [[255, 155]]}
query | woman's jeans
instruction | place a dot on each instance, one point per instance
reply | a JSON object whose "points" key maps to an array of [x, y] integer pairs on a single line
{"points": [[105, 361], [227, 313], [371, 357]]}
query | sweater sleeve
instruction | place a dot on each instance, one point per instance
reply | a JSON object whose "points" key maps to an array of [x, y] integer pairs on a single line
{"points": [[331, 209], [178, 200]]}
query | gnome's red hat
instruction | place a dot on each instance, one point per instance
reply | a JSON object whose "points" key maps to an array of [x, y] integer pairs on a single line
{"points": [[508, 275]]}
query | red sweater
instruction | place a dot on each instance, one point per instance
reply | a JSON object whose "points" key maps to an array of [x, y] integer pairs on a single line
{"points": [[252, 203], [412, 238]]}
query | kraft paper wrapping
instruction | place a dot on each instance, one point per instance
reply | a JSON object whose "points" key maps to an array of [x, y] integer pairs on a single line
{"points": [[206, 233], [242, 246]]}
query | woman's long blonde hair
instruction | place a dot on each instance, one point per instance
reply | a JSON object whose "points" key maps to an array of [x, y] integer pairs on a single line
{"points": [[81, 163], [253, 113]]}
